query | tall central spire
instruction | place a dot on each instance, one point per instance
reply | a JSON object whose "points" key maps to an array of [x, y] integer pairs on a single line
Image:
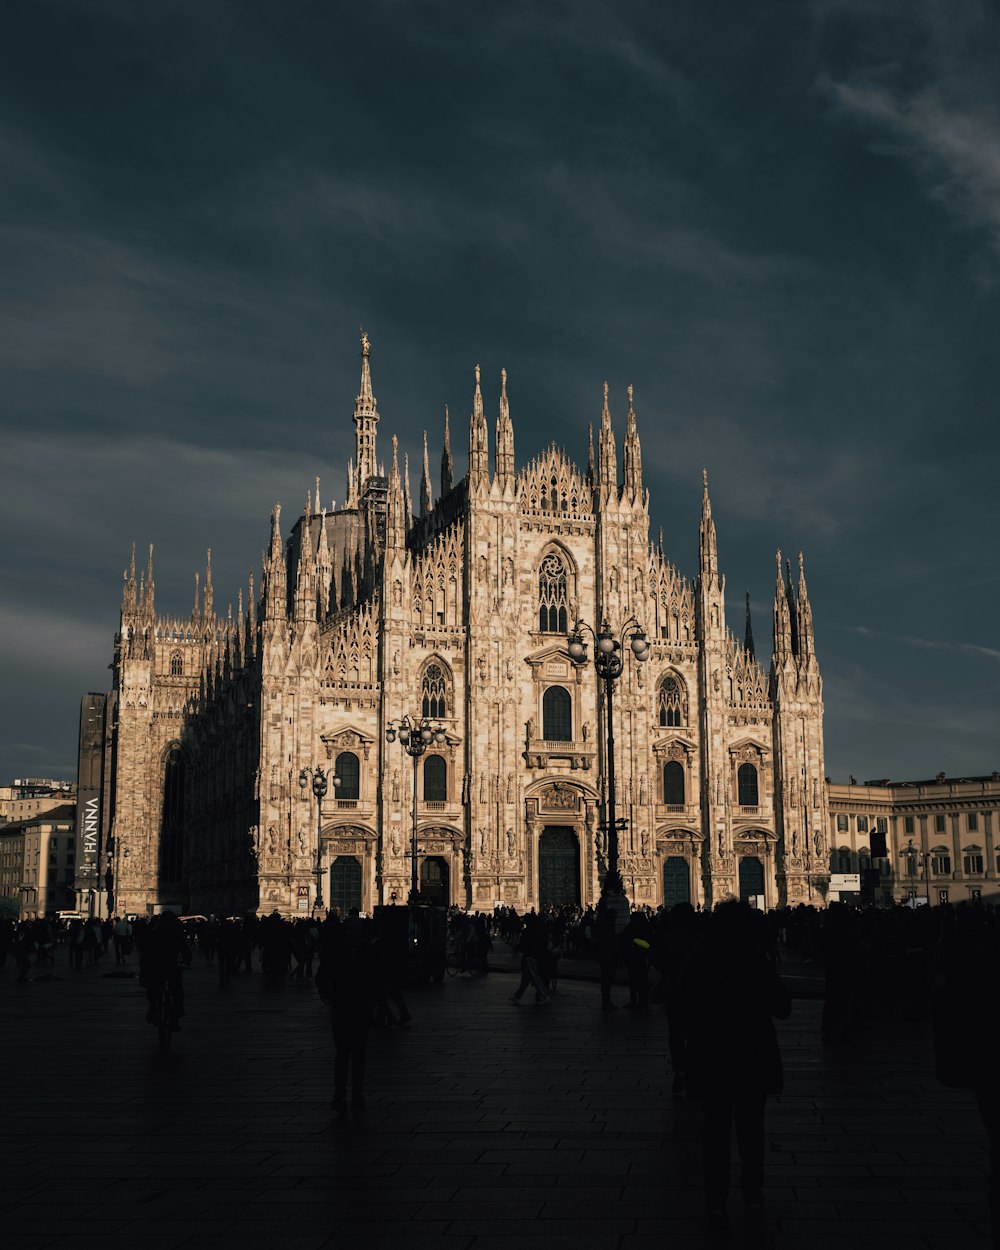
{"points": [[365, 420]]}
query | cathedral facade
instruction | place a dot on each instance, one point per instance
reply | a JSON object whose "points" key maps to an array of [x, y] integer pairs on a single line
{"points": [[458, 609]]}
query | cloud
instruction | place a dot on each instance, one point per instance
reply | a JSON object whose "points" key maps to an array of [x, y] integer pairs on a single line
{"points": [[955, 150], [932, 644]]}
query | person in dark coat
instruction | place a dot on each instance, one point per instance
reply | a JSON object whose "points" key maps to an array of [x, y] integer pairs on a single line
{"points": [[347, 982], [965, 1013], [733, 1061]]}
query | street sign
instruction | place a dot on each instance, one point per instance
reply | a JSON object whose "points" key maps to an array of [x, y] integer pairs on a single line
{"points": [[844, 882]]}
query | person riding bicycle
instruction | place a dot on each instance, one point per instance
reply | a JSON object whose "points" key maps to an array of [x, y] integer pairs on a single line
{"points": [[164, 948]]}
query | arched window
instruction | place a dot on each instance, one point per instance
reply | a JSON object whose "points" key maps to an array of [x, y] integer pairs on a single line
{"points": [[673, 784], [671, 702], [348, 769], [557, 715], [434, 692], [746, 781], [176, 665], [435, 779], [552, 594], [843, 860]]}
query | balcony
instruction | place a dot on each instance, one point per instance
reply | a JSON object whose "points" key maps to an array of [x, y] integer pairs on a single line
{"points": [[348, 805], [540, 753], [749, 811], [434, 805]]}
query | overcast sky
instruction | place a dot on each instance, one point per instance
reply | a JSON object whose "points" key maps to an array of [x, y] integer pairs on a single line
{"points": [[779, 221]]}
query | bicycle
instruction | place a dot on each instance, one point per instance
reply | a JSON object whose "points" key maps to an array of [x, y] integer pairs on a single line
{"points": [[454, 963]]}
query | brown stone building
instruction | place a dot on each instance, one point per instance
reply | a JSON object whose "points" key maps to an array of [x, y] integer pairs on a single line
{"points": [[458, 608]]}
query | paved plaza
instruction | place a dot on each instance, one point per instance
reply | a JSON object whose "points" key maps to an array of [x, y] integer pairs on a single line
{"points": [[488, 1127]]}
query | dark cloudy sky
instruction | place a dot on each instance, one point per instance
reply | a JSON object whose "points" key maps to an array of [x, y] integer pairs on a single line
{"points": [[780, 221]]}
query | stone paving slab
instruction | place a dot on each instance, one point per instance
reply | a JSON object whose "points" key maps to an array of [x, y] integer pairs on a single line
{"points": [[487, 1125]]}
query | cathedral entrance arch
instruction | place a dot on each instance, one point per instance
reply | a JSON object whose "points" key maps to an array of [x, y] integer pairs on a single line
{"points": [[435, 881], [558, 867], [676, 881], [345, 884], [751, 877]]}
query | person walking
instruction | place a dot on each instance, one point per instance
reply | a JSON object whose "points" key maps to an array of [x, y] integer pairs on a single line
{"points": [[347, 981], [534, 945], [733, 1062]]}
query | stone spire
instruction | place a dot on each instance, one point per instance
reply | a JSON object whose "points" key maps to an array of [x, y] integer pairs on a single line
{"points": [[149, 605], [407, 496], [426, 495], [633, 456], [323, 564], [505, 437], [129, 601], [208, 608], [395, 532], [196, 610], [479, 442], [590, 454], [305, 572], [608, 465], [804, 617], [276, 576], [793, 610], [365, 420], [708, 552], [783, 647], [748, 632], [447, 463], [352, 490]]}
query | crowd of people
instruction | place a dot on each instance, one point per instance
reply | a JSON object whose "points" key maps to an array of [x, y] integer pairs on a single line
{"points": [[715, 974]]}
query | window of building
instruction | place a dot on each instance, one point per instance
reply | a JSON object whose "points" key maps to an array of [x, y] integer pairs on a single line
{"points": [[843, 860], [557, 715], [746, 786], [882, 824], [842, 823], [435, 779], [909, 824], [434, 692], [972, 821], [941, 864], [972, 864], [552, 594], [176, 665], [673, 783], [670, 702], [348, 768], [939, 825], [862, 824]]}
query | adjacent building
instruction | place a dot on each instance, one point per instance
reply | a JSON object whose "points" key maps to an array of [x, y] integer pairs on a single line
{"points": [[942, 837], [38, 864]]}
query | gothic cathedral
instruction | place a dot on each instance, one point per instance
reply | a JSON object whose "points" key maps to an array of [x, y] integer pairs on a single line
{"points": [[459, 610]]}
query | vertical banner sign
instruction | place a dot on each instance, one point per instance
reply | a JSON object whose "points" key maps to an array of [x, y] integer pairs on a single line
{"points": [[88, 836]]}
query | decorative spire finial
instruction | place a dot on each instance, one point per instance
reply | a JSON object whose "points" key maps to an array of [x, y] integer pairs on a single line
{"points": [[366, 346]]}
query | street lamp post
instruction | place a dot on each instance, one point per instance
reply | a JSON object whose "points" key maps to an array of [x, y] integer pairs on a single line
{"points": [[415, 737], [320, 784], [609, 663]]}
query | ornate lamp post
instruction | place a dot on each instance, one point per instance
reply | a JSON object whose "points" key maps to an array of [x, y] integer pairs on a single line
{"points": [[415, 737], [320, 783], [609, 662]]}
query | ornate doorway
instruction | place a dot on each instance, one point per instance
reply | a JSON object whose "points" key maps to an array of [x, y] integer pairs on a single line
{"points": [[558, 867], [345, 884], [676, 881], [751, 877], [434, 881]]}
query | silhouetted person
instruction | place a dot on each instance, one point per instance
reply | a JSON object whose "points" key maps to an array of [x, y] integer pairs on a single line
{"points": [[534, 945], [347, 981], [676, 945], [163, 949], [842, 959], [637, 940], [733, 1061], [609, 950], [966, 1019]]}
